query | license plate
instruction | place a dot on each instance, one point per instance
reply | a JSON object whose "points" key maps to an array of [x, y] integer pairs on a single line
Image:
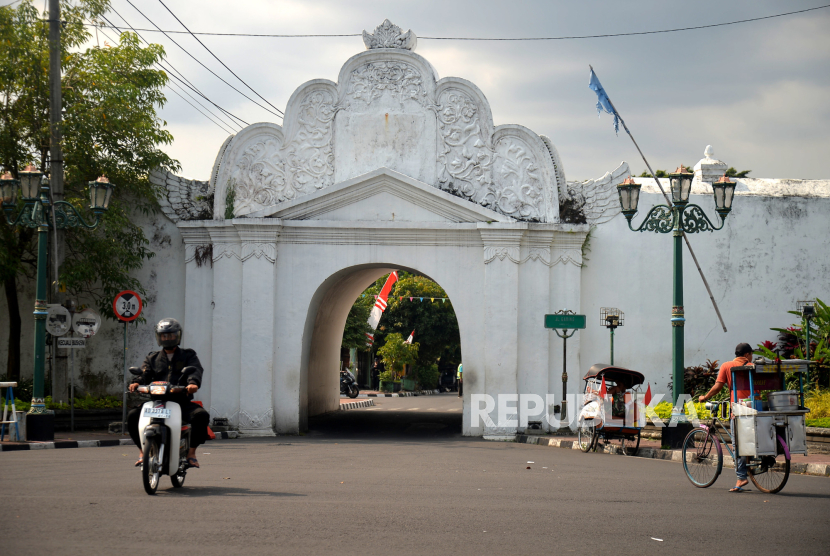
{"points": [[157, 412]]}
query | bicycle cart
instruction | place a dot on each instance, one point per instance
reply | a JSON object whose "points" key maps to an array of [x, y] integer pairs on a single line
{"points": [[594, 424], [767, 432]]}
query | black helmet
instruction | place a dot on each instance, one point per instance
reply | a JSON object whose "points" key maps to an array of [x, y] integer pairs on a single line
{"points": [[169, 326]]}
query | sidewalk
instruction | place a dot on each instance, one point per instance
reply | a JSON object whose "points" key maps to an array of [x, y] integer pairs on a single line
{"points": [[85, 439], [813, 464], [377, 394]]}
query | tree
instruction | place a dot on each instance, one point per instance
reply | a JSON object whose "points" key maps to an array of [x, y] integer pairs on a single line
{"points": [[733, 173], [357, 326], [110, 96], [396, 353]]}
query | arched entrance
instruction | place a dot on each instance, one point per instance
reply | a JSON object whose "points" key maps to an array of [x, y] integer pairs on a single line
{"points": [[270, 309]]}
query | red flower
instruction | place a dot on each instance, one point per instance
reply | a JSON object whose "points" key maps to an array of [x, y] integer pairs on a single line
{"points": [[769, 345]]}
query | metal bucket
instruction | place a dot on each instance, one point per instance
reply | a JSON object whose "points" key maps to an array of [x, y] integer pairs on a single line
{"points": [[786, 400]]}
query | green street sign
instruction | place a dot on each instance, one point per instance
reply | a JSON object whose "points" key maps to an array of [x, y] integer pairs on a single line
{"points": [[565, 321]]}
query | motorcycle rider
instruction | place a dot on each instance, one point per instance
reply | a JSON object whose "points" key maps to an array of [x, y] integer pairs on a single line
{"points": [[167, 365]]}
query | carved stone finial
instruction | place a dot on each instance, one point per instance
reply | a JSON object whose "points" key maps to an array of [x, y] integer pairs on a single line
{"points": [[709, 152], [389, 35], [709, 168]]}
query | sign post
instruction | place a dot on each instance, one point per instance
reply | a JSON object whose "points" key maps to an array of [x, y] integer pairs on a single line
{"points": [[85, 323], [564, 320], [127, 307]]}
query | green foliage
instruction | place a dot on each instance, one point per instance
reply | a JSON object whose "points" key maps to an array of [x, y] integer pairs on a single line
{"points": [[386, 376], [792, 342], [428, 376], [395, 353], [230, 199], [110, 96], [86, 402], [733, 173], [699, 380], [823, 422], [354, 334], [818, 402], [664, 409]]}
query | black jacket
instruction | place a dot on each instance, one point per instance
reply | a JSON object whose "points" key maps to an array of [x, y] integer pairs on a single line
{"points": [[157, 367]]}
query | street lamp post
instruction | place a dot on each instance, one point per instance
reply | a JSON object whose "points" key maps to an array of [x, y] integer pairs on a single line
{"points": [[678, 218], [611, 318], [39, 212]]}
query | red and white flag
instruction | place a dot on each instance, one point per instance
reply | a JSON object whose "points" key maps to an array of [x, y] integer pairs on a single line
{"points": [[411, 337], [380, 305]]}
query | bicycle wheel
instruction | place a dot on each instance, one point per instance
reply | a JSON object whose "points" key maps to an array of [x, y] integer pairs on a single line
{"points": [[630, 446], [702, 457], [770, 474], [586, 434]]}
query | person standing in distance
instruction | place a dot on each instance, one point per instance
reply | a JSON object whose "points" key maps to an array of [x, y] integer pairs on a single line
{"points": [[168, 365], [460, 376], [743, 356]]}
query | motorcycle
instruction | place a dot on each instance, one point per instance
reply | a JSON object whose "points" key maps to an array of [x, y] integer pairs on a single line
{"points": [[348, 384], [164, 440]]}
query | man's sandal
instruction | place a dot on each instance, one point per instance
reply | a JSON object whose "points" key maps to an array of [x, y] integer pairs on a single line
{"points": [[139, 462], [193, 462], [737, 489]]}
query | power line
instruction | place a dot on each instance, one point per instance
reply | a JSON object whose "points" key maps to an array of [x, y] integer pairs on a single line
{"points": [[560, 38], [200, 63], [172, 71], [218, 60], [176, 92]]}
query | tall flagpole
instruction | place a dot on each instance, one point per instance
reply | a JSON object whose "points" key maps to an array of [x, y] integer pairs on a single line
{"points": [[685, 238]]}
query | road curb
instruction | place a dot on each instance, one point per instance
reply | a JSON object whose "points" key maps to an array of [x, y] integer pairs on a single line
{"points": [[401, 394], [815, 469], [60, 444], [355, 405]]}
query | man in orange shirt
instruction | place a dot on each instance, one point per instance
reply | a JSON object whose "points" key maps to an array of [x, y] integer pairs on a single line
{"points": [[743, 356]]}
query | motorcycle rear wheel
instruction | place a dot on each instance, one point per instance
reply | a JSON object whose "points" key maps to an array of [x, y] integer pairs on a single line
{"points": [[151, 468], [353, 391]]}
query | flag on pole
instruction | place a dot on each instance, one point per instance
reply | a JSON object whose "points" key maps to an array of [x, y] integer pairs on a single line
{"points": [[411, 337], [380, 305], [603, 391], [647, 399], [603, 102]]}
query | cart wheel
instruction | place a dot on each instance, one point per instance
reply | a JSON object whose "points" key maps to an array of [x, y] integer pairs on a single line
{"points": [[630, 446], [586, 436], [702, 457], [770, 473]]}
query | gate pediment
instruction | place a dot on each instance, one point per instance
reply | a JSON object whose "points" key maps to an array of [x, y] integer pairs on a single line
{"points": [[382, 196]]}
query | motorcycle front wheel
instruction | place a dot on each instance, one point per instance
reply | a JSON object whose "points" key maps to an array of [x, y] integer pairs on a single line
{"points": [[178, 479], [353, 391], [151, 468]]}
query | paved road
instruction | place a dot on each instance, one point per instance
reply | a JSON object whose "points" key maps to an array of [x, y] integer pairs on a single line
{"points": [[395, 480]]}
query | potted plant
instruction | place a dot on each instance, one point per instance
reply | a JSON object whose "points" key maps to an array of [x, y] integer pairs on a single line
{"points": [[386, 381]]}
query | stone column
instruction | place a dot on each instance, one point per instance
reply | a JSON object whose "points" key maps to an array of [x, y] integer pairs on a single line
{"points": [[565, 276], [258, 255], [501, 324], [227, 319], [709, 169], [534, 300], [198, 301]]}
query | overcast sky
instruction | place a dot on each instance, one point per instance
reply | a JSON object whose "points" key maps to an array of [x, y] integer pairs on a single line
{"points": [[758, 92]]}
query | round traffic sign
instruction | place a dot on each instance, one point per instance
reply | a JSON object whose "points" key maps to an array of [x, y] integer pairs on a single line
{"points": [[59, 320], [87, 322], [127, 306]]}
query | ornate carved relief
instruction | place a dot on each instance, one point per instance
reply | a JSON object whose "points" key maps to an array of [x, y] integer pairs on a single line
{"points": [[389, 35], [492, 253], [259, 250], [183, 198], [309, 153], [255, 422], [229, 250], [465, 159], [520, 193], [259, 178], [595, 201], [400, 80], [567, 249]]}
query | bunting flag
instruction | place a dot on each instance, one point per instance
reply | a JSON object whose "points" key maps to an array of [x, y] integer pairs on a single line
{"points": [[647, 399], [380, 305], [602, 390], [411, 337]]}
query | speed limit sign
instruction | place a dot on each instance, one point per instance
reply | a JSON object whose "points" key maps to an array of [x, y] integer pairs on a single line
{"points": [[127, 306]]}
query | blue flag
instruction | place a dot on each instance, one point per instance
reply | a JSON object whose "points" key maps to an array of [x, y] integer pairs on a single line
{"points": [[602, 100]]}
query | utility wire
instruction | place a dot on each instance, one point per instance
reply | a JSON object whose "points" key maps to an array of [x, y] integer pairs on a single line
{"points": [[561, 38], [182, 79], [200, 63], [177, 93], [218, 60]]}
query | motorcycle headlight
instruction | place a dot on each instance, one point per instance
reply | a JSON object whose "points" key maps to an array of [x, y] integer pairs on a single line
{"points": [[157, 389]]}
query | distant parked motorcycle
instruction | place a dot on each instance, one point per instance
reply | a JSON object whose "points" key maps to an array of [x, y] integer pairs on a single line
{"points": [[348, 384]]}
